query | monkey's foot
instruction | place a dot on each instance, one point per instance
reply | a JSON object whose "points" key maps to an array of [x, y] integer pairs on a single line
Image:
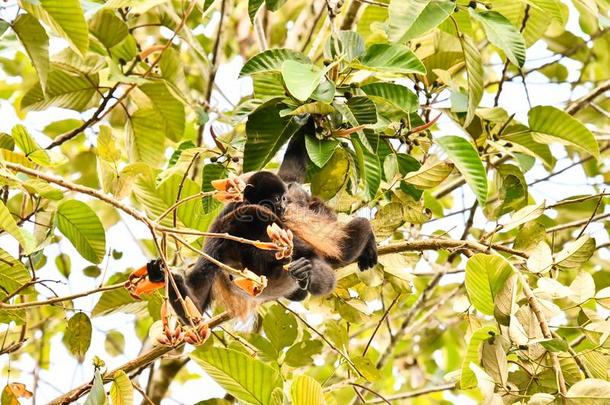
{"points": [[368, 258], [283, 239], [300, 270], [146, 279]]}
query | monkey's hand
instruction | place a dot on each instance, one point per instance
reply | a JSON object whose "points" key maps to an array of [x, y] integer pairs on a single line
{"points": [[146, 279], [229, 190], [300, 270], [283, 239]]}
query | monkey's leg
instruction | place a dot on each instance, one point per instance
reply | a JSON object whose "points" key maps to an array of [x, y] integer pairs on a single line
{"points": [[359, 244]]}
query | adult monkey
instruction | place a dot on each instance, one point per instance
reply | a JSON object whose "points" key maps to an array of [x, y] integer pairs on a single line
{"points": [[316, 223], [320, 244]]}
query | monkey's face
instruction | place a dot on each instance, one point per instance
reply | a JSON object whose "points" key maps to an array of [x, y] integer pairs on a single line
{"points": [[266, 189]]}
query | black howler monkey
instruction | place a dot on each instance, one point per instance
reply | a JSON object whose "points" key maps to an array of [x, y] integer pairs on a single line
{"points": [[320, 243]]}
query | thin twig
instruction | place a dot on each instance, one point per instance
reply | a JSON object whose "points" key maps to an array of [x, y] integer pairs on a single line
{"points": [[324, 338], [416, 393], [51, 301]]}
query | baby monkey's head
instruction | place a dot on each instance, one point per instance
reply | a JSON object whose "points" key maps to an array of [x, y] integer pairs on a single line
{"points": [[266, 189]]}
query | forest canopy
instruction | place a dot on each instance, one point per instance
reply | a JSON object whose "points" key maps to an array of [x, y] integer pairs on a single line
{"points": [[474, 135]]}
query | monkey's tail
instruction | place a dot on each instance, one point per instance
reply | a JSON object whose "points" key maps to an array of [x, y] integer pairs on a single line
{"points": [[294, 164]]}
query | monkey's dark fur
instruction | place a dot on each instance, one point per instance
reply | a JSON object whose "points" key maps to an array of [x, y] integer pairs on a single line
{"points": [[321, 243]]}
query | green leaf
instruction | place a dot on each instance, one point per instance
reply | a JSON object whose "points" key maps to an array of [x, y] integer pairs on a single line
{"points": [[394, 59], [485, 276], [402, 14], [212, 171], [36, 42], [266, 133], [271, 60], [77, 337], [66, 18], [369, 166], [575, 253], [3, 27], [367, 368], [474, 73], [316, 107], [7, 142], [253, 6], [301, 79], [97, 396], [502, 34], [550, 124], [274, 5], [23, 139], [108, 28], [13, 273], [399, 96], [431, 174], [268, 86], [351, 46], [63, 264], [107, 146], [32, 150], [280, 327], [387, 219], [363, 109], [246, 378], [431, 16], [8, 224], [167, 106], [121, 390], [554, 345], [523, 216], [329, 180], [525, 143], [75, 92], [114, 344], [590, 391], [145, 137], [320, 150], [117, 300], [157, 199], [83, 228], [306, 391], [473, 354], [300, 354], [467, 160]]}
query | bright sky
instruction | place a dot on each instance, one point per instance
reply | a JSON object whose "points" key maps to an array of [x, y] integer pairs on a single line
{"points": [[65, 373]]}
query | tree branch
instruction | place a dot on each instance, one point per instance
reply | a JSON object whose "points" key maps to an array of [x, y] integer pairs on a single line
{"points": [[131, 365]]}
